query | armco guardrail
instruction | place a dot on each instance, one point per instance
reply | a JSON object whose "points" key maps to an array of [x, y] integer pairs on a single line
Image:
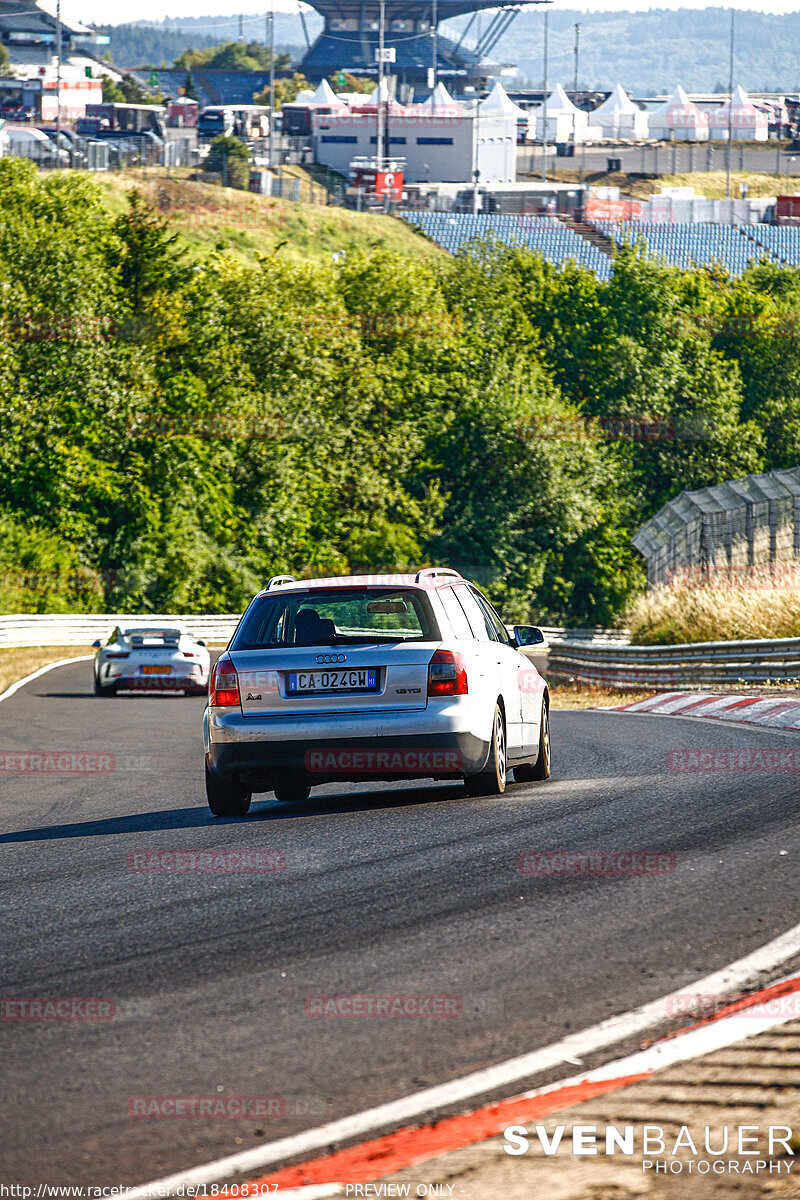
{"points": [[759, 661], [81, 629], [555, 635]]}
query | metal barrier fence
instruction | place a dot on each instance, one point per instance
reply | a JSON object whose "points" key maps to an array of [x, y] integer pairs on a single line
{"points": [[655, 667], [84, 154], [737, 526], [81, 629]]}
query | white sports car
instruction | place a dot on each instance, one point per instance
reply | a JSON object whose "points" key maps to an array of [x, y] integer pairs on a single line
{"points": [[160, 658]]}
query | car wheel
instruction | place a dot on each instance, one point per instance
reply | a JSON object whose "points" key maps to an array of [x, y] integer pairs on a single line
{"points": [[541, 768], [292, 791], [104, 689], [491, 781], [225, 798]]}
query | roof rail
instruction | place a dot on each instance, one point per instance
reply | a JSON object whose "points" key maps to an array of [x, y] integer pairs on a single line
{"points": [[432, 572], [279, 580]]}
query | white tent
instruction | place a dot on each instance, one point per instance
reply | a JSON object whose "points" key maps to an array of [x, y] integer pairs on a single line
{"points": [[499, 101], [306, 96], [619, 116], [439, 98], [325, 95], [746, 122], [565, 122], [440, 104], [679, 119]]}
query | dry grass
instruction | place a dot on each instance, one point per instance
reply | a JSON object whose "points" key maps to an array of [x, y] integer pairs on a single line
{"points": [[210, 218], [761, 604], [16, 664], [588, 695], [706, 183]]}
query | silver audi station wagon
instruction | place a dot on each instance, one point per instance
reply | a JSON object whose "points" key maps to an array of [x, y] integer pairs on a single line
{"points": [[372, 677]]}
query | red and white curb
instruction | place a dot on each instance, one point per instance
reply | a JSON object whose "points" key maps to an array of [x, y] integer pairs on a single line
{"points": [[773, 711], [411, 1144]]}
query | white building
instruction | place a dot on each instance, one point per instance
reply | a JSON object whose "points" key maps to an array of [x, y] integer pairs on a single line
{"points": [[440, 140], [679, 120], [746, 122], [619, 117], [30, 35]]}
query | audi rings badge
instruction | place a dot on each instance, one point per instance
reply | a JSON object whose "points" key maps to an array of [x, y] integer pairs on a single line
{"points": [[331, 658]]}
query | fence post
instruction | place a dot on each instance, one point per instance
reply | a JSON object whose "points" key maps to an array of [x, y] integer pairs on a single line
{"points": [[773, 532], [729, 539], [706, 544]]}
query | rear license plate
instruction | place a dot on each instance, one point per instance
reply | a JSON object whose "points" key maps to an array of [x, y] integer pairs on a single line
{"points": [[340, 679], [156, 670]]}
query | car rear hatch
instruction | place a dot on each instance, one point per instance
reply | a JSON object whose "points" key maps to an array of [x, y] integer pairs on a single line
{"points": [[154, 651], [302, 681]]}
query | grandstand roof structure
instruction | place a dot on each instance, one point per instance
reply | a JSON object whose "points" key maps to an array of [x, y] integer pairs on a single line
{"points": [[350, 36]]}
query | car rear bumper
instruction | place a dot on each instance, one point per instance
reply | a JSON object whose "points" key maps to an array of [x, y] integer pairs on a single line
{"points": [[131, 679], [438, 756], [404, 745]]}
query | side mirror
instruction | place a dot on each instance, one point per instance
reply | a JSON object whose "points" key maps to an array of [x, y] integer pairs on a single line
{"points": [[528, 635], [200, 643], [97, 645]]}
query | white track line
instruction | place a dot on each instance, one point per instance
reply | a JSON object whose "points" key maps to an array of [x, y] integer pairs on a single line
{"points": [[62, 662], [397, 1112]]}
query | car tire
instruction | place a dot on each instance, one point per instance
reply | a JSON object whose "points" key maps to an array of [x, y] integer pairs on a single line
{"points": [[225, 798], [104, 689], [541, 768], [292, 791], [492, 780]]}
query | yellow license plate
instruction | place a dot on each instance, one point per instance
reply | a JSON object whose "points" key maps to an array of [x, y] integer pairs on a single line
{"points": [[156, 670]]}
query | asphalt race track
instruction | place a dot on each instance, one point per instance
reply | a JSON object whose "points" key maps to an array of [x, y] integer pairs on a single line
{"points": [[398, 889]]}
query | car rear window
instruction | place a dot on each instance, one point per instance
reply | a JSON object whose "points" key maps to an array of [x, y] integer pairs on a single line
{"points": [[336, 617]]}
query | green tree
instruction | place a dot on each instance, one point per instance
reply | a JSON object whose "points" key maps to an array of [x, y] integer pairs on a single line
{"points": [[151, 258], [285, 91], [112, 92], [230, 158]]}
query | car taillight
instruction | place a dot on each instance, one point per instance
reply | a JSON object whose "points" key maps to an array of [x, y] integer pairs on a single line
{"points": [[189, 654], [119, 654], [447, 674], [224, 687]]}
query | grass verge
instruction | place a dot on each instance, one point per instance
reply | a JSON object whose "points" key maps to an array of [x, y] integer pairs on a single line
{"points": [[24, 660]]}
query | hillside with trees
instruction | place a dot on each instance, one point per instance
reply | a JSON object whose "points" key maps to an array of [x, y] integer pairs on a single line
{"points": [[176, 430], [648, 52]]}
